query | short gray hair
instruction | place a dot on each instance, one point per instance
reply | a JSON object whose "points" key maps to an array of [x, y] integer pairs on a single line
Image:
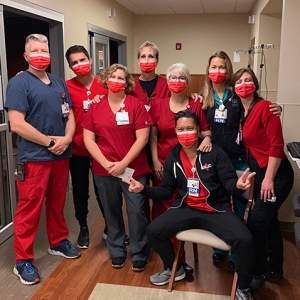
{"points": [[36, 37], [179, 67]]}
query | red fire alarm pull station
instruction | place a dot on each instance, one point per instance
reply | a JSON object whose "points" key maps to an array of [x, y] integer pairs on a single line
{"points": [[178, 46]]}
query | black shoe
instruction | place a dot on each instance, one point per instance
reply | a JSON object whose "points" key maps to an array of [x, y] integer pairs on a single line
{"points": [[218, 257], [83, 238], [127, 240], [187, 269], [257, 282], [117, 262], [139, 265], [231, 265], [243, 294]]}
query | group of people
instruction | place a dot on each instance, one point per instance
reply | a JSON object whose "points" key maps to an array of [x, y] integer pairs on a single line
{"points": [[129, 130]]}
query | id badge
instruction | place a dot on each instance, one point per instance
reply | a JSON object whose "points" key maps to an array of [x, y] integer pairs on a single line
{"points": [[193, 187], [122, 118], [65, 109], [220, 116], [239, 137], [86, 105]]}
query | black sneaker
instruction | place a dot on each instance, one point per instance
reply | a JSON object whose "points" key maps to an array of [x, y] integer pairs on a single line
{"points": [[127, 240], [27, 272], [139, 265], [117, 262], [243, 294], [189, 271], [83, 238], [64, 249], [257, 282], [218, 257]]}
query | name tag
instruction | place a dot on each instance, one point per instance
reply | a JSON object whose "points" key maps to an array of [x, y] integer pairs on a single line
{"points": [[193, 187], [122, 118], [86, 105], [65, 109], [220, 116]]}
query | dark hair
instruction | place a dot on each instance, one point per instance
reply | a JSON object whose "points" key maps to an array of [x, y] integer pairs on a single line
{"points": [[238, 74], [186, 114], [76, 49]]}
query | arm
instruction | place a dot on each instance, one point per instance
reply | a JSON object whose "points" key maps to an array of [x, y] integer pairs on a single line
{"points": [[25, 130], [267, 185], [205, 145], [135, 150], [158, 167], [89, 138], [62, 142]]}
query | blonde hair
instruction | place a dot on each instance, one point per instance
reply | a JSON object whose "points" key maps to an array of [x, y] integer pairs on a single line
{"points": [[150, 45], [104, 77], [181, 68], [207, 91]]}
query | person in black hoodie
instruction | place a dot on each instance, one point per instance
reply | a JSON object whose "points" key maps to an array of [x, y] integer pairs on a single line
{"points": [[205, 181]]}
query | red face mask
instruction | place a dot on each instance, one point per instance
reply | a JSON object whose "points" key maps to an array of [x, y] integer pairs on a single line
{"points": [[177, 87], [245, 89], [187, 139], [39, 61], [115, 86], [217, 76], [82, 69], [148, 67]]}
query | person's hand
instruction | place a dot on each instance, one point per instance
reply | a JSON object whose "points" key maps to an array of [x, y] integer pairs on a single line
{"points": [[267, 189], [158, 169], [205, 145], [60, 146], [117, 169], [196, 97], [134, 186], [244, 182], [97, 98], [275, 109], [108, 165]]}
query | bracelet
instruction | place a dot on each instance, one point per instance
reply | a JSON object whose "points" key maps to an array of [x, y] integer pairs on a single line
{"points": [[207, 136]]}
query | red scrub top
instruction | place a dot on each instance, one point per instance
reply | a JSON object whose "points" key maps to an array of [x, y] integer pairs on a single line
{"points": [[78, 93], [115, 140], [163, 118]]}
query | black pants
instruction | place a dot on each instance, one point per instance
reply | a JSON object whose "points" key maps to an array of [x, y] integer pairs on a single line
{"points": [[226, 225], [80, 168], [263, 220]]}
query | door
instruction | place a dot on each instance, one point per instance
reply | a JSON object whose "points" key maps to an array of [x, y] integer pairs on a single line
{"points": [[7, 181], [100, 53]]}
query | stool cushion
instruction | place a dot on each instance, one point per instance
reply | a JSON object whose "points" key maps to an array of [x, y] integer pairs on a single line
{"points": [[201, 236]]}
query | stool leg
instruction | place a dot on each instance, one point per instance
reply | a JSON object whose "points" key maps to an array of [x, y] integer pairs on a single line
{"points": [[195, 248], [174, 268], [234, 284]]}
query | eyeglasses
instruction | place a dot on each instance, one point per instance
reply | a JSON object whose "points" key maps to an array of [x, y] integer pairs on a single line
{"points": [[180, 78]]}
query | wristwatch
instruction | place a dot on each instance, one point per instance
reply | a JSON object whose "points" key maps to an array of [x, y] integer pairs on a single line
{"points": [[52, 143]]}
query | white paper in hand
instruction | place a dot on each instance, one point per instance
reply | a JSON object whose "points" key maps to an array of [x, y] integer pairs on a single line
{"points": [[128, 171]]}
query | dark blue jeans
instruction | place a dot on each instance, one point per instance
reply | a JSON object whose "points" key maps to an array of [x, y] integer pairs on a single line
{"points": [[263, 220], [80, 171]]}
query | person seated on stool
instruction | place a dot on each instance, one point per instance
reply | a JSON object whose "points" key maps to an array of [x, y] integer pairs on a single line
{"points": [[205, 181]]}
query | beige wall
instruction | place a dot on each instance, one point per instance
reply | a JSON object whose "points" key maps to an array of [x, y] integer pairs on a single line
{"points": [[78, 13], [200, 35]]}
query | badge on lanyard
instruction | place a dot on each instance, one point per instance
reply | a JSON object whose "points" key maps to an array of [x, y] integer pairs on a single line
{"points": [[122, 117], [87, 103], [193, 187], [220, 114], [65, 106]]}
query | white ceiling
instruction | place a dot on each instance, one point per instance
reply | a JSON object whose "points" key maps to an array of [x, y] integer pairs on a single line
{"points": [[154, 7]]}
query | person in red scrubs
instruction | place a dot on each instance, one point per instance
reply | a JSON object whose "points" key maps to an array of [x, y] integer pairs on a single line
{"points": [[162, 113], [116, 131]]}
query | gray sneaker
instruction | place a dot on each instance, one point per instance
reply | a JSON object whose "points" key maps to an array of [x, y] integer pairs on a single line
{"points": [[163, 277], [243, 294]]}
